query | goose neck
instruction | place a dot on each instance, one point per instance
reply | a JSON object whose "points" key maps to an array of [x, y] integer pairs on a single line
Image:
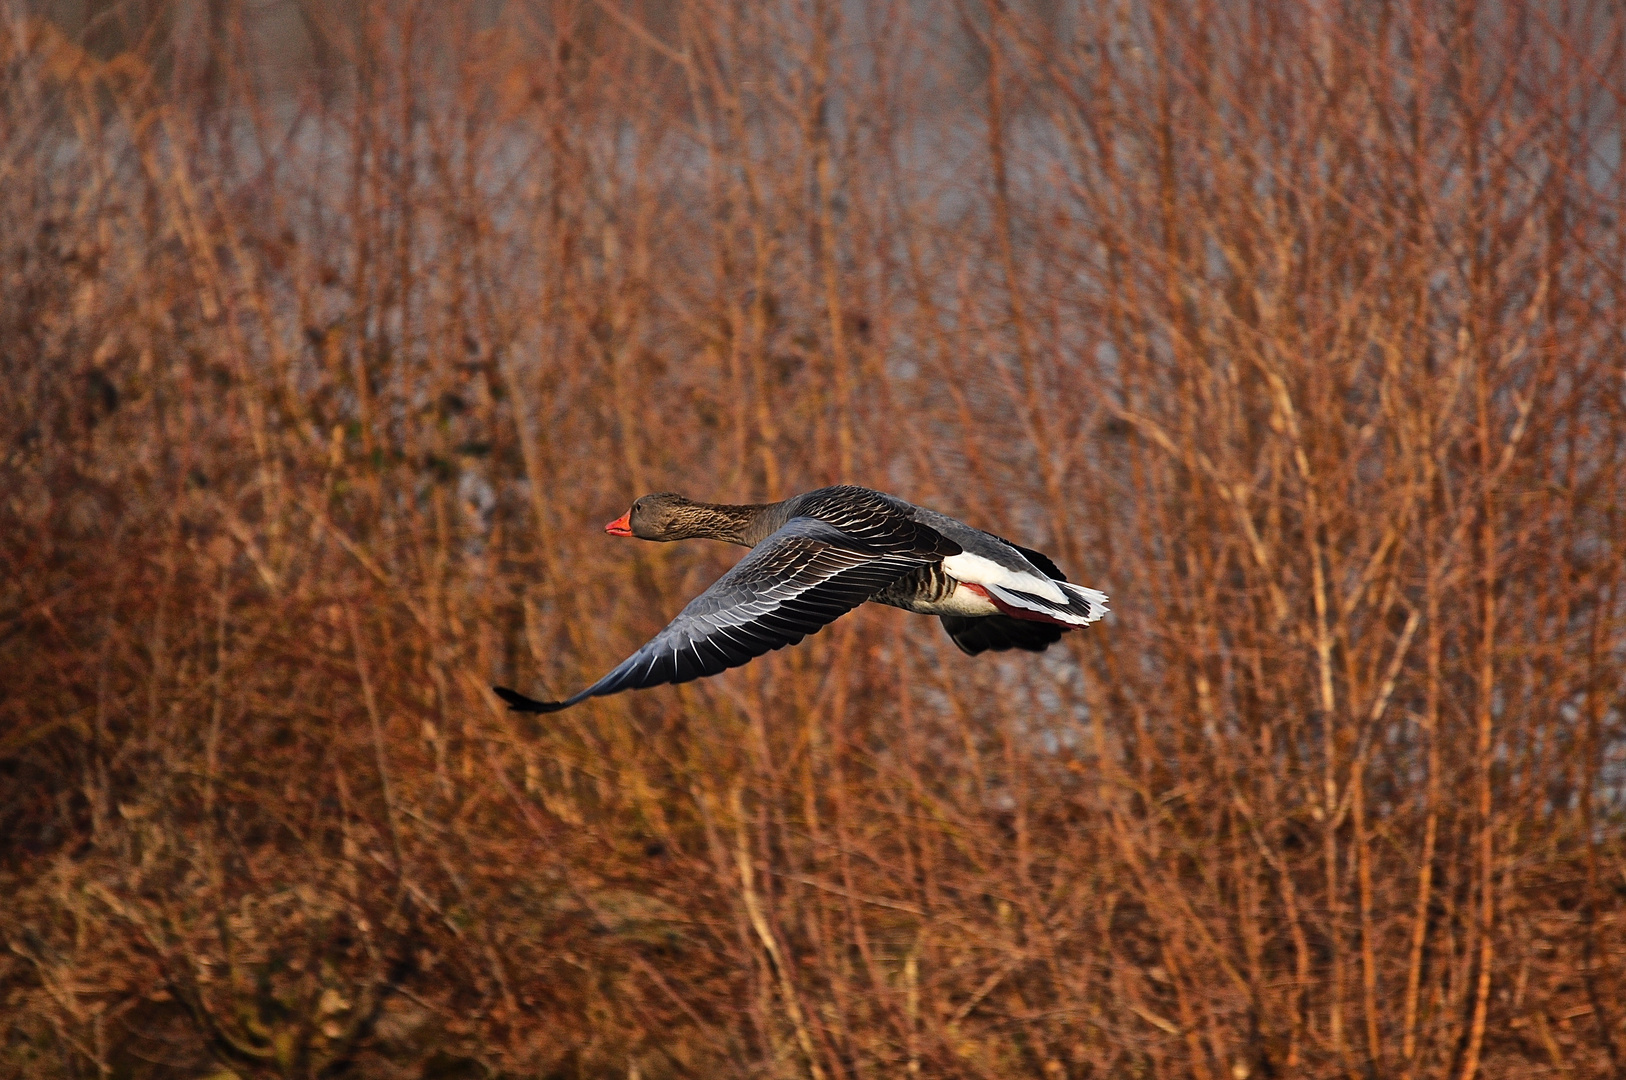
{"points": [[746, 524]]}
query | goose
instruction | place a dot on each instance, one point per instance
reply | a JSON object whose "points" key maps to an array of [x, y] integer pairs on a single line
{"points": [[816, 556]]}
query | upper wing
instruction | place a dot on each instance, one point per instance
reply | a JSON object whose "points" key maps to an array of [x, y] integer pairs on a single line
{"points": [[1040, 560], [805, 575]]}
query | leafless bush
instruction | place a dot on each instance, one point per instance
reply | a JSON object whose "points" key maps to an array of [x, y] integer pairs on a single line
{"points": [[328, 333]]}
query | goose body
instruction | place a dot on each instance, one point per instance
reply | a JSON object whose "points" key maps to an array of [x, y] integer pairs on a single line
{"points": [[818, 555]]}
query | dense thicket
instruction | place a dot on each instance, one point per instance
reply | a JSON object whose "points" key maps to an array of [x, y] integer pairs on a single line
{"points": [[330, 334]]}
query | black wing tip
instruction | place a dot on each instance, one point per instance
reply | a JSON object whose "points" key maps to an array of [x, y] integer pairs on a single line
{"points": [[976, 635], [518, 702]]}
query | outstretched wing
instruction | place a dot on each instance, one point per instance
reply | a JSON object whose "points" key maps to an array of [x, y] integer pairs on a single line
{"points": [[807, 574]]}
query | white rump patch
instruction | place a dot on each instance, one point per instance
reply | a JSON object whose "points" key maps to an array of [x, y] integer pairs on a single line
{"points": [[976, 570]]}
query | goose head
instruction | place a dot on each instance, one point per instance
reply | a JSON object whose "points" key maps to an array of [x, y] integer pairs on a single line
{"points": [[662, 516]]}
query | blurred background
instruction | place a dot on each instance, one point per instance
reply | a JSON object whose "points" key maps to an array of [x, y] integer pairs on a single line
{"points": [[331, 333]]}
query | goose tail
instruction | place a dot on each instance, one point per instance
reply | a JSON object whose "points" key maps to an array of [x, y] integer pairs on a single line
{"points": [[1081, 605]]}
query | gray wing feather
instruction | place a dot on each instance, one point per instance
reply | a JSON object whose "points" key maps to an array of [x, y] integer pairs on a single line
{"points": [[798, 580], [996, 549]]}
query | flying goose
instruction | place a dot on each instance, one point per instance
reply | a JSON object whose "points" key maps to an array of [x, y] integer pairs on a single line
{"points": [[818, 555]]}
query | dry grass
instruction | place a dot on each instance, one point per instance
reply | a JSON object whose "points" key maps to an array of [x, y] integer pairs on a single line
{"points": [[329, 335]]}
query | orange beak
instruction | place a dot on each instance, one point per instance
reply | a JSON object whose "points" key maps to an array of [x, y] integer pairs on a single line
{"points": [[621, 526]]}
